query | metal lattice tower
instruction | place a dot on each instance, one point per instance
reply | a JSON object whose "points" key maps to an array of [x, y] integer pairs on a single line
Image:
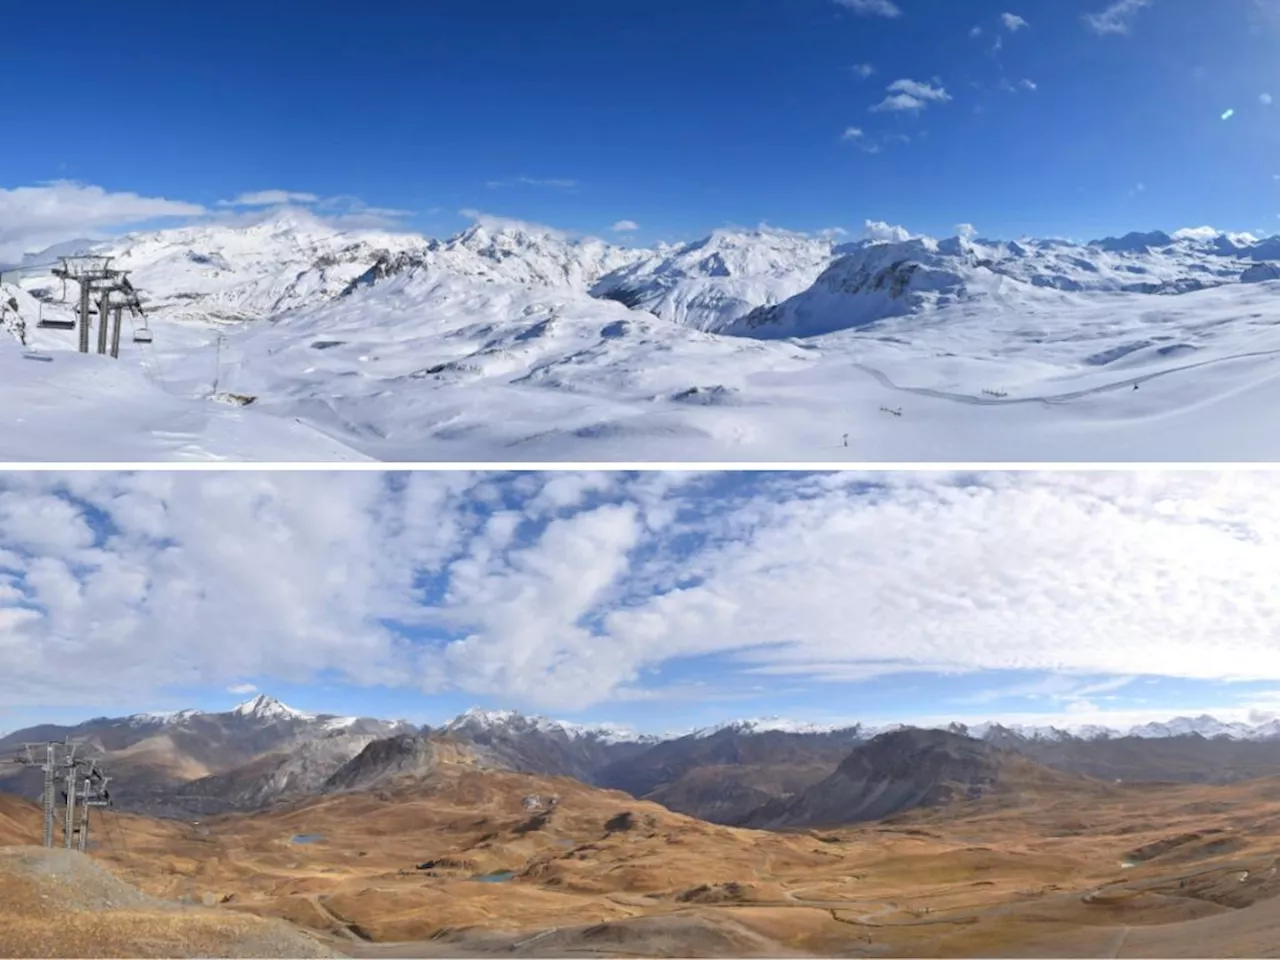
{"points": [[85, 785], [95, 275]]}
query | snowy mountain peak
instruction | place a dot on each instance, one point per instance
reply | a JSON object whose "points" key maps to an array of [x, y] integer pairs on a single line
{"points": [[1203, 725], [512, 722], [771, 724], [263, 707], [164, 718]]}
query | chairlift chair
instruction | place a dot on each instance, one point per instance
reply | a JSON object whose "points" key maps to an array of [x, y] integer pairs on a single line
{"points": [[141, 334], [54, 323]]}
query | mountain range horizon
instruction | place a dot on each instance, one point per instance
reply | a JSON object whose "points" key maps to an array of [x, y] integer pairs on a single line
{"points": [[263, 706]]}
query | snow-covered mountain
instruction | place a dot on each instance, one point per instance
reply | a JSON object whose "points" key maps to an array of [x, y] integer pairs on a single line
{"points": [[513, 340], [541, 745], [876, 281], [710, 283], [479, 721], [774, 724], [242, 730], [218, 272]]}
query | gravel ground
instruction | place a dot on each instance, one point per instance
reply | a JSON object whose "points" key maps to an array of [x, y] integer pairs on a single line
{"points": [[59, 903]]}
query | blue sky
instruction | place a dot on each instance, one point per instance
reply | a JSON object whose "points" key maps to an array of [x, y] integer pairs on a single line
{"points": [[664, 601], [678, 116]]}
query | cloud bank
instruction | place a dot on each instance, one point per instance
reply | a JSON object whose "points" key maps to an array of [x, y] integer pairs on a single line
{"points": [[559, 592]]}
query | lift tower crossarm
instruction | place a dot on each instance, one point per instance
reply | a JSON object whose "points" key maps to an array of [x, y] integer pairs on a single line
{"points": [[87, 271]]}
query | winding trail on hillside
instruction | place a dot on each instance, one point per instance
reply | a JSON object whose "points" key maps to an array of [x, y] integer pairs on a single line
{"points": [[1113, 951], [883, 379]]}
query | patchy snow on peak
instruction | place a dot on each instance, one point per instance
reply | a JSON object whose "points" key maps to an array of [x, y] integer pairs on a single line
{"points": [[1203, 725], [512, 722], [163, 718], [263, 707], [340, 723], [773, 724]]}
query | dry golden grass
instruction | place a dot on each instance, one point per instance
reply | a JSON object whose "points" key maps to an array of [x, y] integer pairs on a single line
{"points": [[1034, 871], [59, 903]]}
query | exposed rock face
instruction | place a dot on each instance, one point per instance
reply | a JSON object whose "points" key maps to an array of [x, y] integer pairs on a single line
{"points": [[191, 762], [1260, 273], [382, 760], [280, 775], [537, 745], [728, 775], [890, 774]]}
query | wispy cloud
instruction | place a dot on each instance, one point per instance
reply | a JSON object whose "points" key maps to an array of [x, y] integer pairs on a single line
{"points": [[863, 70], [872, 8], [910, 96], [1117, 18], [242, 689], [523, 181], [966, 230], [33, 218], [269, 198], [1013, 22], [625, 226], [343, 212], [852, 133]]}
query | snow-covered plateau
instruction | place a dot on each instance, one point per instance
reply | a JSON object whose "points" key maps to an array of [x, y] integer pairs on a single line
{"points": [[291, 341]]}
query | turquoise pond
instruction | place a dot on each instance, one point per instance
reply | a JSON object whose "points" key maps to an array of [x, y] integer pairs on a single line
{"points": [[500, 876]]}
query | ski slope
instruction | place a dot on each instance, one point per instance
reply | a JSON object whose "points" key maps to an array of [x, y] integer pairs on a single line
{"points": [[515, 343]]}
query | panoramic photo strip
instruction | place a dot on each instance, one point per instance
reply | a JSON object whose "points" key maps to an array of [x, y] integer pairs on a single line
{"points": [[836, 231], [639, 714]]}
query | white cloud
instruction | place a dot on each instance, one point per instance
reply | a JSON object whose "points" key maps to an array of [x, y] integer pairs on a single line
{"points": [[910, 95], [898, 103], [523, 181], [833, 233], [269, 198], [34, 218], [352, 213], [1265, 99], [863, 70], [242, 689], [975, 32], [852, 133], [879, 231], [1117, 18], [1013, 22], [560, 591], [872, 8], [344, 212], [966, 230], [625, 226], [921, 91], [1196, 233], [1030, 85]]}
